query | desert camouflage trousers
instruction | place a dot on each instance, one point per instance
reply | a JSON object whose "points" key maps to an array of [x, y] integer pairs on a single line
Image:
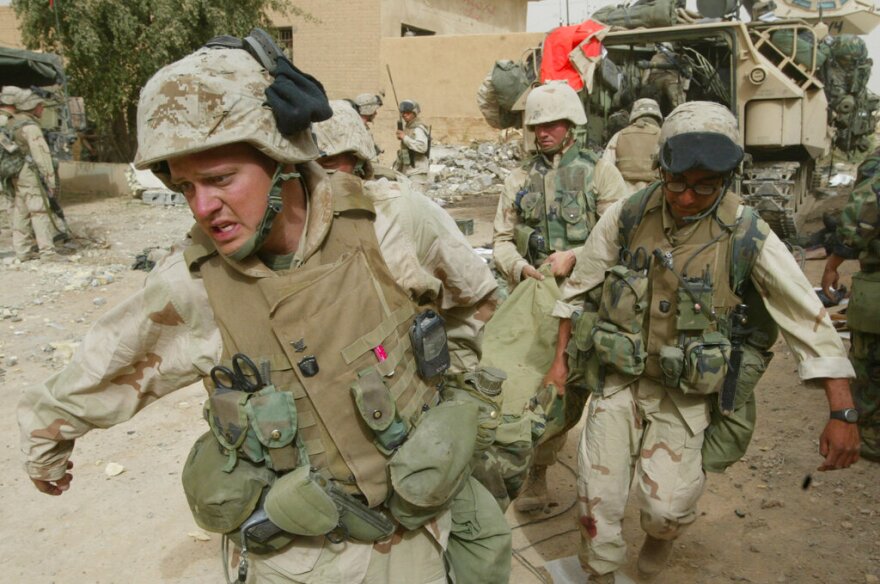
{"points": [[31, 225], [865, 357], [634, 434], [471, 541]]}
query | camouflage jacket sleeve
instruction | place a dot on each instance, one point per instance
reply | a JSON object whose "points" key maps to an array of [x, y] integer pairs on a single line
{"points": [[609, 185], [794, 306], [39, 152], [416, 139], [859, 221], [431, 259], [599, 253], [508, 261], [157, 341]]}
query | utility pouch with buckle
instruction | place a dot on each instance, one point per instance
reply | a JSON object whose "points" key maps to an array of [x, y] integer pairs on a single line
{"points": [[624, 298], [621, 350], [705, 364]]}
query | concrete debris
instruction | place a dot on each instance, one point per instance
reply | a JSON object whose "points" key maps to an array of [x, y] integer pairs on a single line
{"points": [[147, 187], [460, 171]]}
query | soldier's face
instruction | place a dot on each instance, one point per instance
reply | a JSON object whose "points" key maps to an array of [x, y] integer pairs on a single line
{"points": [[550, 136], [342, 162], [688, 203], [408, 116], [226, 190]]}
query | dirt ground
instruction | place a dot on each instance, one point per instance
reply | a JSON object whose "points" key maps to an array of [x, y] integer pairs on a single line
{"points": [[758, 524]]}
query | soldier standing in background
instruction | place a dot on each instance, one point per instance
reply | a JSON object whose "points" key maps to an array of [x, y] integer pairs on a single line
{"points": [[545, 213], [667, 77], [367, 105], [632, 150], [7, 108], [415, 143], [658, 358], [858, 237], [32, 229]]}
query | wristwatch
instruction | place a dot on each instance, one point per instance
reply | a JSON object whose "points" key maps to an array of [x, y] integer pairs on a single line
{"points": [[849, 415]]}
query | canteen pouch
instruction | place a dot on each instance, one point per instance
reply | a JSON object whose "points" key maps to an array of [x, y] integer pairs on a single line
{"points": [[705, 364], [861, 314], [582, 359], [728, 437], [522, 233], [623, 351], [221, 501], [378, 410], [531, 208], [671, 364], [574, 213], [461, 387], [623, 298], [299, 505], [434, 463]]}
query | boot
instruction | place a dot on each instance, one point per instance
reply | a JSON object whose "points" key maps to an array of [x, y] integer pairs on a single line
{"points": [[534, 496], [653, 556], [603, 579]]}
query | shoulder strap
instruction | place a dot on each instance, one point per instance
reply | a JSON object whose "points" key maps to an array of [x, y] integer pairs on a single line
{"points": [[632, 212], [748, 240]]}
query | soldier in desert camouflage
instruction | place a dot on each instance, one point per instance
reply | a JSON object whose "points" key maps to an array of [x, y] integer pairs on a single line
{"points": [[671, 264], [334, 453]]}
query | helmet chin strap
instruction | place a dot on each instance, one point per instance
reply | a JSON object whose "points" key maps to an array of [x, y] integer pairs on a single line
{"points": [[256, 241], [724, 186], [569, 138]]}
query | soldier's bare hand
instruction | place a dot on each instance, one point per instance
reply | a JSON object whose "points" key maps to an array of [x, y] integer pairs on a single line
{"points": [[57, 487], [561, 262], [400, 134], [531, 272], [556, 376], [839, 444]]}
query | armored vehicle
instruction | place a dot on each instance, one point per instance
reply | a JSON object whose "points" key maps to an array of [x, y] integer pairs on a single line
{"points": [[44, 73], [779, 73]]}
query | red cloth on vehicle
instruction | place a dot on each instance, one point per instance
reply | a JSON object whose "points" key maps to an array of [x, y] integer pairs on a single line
{"points": [[557, 46]]}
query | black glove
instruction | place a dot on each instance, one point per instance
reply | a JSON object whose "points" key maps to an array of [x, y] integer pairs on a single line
{"points": [[297, 99]]}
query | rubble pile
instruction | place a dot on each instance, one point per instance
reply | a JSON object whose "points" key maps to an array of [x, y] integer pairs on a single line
{"points": [[461, 171]]}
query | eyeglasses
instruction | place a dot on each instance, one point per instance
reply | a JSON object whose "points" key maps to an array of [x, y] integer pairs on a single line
{"points": [[701, 189]]}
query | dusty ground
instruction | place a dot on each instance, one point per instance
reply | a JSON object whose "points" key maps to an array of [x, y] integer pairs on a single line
{"points": [[757, 524]]}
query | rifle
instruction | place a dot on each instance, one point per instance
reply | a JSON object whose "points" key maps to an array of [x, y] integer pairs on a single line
{"points": [[738, 335], [49, 199]]}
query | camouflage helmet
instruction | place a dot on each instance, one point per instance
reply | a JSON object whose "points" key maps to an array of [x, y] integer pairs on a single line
{"points": [[645, 107], [553, 102], [26, 100], [344, 132], [368, 103], [409, 105], [700, 134], [9, 94], [210, 98]]}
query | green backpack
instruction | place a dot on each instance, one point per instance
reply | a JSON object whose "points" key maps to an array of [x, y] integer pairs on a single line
{"points": [[12, 155]]}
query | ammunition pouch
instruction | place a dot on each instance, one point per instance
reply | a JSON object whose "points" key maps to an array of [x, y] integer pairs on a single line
{"points": [[861, 314], [434, 463], [574, 215], [624, 298], [618, 349], [377, 408], [259, 426], [727, 437], [705, 364], [460, 387], [404, 158], [581, 350]]}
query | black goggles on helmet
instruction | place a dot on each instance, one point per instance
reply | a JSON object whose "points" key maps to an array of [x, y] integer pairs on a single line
{"points": [[705, 150]]}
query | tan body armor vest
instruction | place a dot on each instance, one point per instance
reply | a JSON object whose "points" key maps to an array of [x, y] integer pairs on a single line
{"points": [[339, 305], [636, 145], [701, 251]]}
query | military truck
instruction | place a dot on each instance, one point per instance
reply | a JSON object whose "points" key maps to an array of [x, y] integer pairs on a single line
{"points": [[771, 73], [44, 73]]}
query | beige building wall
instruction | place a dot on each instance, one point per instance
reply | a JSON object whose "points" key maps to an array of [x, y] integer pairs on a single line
{"points": [[454, 16], [443, 73], [9, 34]]}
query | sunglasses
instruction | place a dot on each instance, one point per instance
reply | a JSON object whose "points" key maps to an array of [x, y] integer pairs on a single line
{"points": [[702, 189]]}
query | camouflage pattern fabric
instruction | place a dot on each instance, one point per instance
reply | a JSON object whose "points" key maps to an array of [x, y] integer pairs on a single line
{"points": [[635, 435], [604, 187], [865, 357], [31, 225], [415, 144], [858, 234]]}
